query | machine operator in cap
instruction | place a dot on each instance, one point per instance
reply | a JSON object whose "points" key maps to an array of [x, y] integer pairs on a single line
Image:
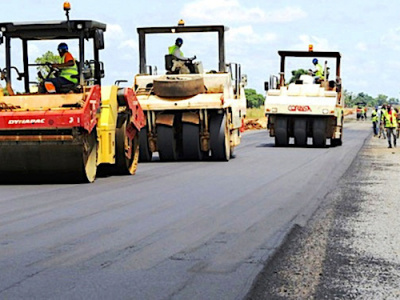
{"points": [[318, 72], [175, 50], [68, 70]]}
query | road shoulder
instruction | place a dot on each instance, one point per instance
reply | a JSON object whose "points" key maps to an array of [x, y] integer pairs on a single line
{"points": [[350, 247]]}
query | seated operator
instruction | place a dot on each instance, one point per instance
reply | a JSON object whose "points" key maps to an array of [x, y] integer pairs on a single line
{"points": [[68, 70], [318, 72], [175, 50]]}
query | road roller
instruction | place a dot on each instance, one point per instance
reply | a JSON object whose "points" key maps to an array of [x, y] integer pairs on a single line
{"points": [[73, 132], [191, 114]]}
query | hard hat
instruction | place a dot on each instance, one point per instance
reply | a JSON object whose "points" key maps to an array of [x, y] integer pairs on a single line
{"points": [[178, 41], [62, 47], [315, 61]]}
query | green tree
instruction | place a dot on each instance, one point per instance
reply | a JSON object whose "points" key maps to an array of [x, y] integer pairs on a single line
{"points": [[381, 99], [48, 57], [254, 99], [348, 98], [296, 74]]}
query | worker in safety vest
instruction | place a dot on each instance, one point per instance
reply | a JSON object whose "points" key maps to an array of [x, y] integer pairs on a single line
{"points": [[391, 125], [68, 71], [374, 119], [318, 72], [398, 124], [359, 112], [381, 118], [175, 50]]}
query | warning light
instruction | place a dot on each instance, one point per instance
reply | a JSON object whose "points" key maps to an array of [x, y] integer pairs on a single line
{"points": [[181, 23], [67, 6], [310, 48]]}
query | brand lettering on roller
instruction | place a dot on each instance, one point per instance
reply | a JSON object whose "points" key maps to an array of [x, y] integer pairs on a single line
{"points": [[26, 121], [302, 108]]}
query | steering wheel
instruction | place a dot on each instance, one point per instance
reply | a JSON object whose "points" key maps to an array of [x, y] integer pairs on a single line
{"points": [[52, 70]]}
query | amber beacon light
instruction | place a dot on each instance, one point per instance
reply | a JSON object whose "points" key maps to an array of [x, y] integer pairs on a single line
{"points": [[67, 6]]}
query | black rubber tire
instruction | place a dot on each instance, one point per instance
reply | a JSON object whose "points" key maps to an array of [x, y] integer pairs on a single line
{"points": [[178, 86], [281, 132], [319, 132], [145, 155], [336, 142], [219, 138], [300, 132], [166, 143], [126, 151], [191, 146]]}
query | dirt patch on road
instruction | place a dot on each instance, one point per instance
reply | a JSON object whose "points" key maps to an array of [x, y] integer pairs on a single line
{"points": [[257, 123]]}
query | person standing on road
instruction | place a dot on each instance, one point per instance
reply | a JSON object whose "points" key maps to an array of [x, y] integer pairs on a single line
{"points": [[381, 118], [391, 125], [398, 122], [374, 119]]}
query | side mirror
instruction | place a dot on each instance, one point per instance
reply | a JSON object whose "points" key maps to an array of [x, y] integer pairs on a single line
{"points": [[1, 38], [99, 39], [266, 86], [102, 73], [243, 80]]}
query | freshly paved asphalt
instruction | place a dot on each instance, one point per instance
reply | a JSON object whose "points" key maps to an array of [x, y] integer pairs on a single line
{"points": [[185, 230]]}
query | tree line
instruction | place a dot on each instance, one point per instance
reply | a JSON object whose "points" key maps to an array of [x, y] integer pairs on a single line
{"points": [[363, 99]]}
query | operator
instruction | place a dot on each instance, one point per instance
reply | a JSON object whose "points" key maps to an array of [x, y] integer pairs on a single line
{"points": [[68, 69], [391, 125], [175, 50], [318, 72]]}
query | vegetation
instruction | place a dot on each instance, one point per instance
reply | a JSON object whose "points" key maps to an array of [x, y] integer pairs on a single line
{"points": [[351, 99], [255, 113], [296, 74], [254, 99], [48, 57]]}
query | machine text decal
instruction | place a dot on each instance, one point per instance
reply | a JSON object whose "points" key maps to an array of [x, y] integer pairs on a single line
{"points": [[302, 108], [26, 121]]}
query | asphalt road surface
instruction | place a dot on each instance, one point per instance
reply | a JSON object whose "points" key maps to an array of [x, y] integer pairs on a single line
{"points": [[187, 230]]}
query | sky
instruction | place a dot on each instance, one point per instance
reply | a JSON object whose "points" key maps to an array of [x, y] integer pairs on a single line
{"points": [[366, 33]]}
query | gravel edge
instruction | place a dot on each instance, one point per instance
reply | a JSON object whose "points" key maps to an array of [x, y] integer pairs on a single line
{"points": [[349, 249]]}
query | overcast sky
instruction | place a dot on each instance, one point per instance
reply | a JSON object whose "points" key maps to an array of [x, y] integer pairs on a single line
{"points": [[366, 33]]}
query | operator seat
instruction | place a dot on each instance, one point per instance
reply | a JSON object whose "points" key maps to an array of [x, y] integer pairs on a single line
{"points": [[76, 88], [169, 63], [66, 88]]}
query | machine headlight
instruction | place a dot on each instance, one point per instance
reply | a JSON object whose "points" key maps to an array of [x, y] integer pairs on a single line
{"points": [[274, 110], [325, 111]]}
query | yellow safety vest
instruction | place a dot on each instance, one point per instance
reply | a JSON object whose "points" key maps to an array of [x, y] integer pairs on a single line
{"points": [[391, 120], [68, 72], [374, 116], [383, 113], [171, 50], [320, 71]]}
